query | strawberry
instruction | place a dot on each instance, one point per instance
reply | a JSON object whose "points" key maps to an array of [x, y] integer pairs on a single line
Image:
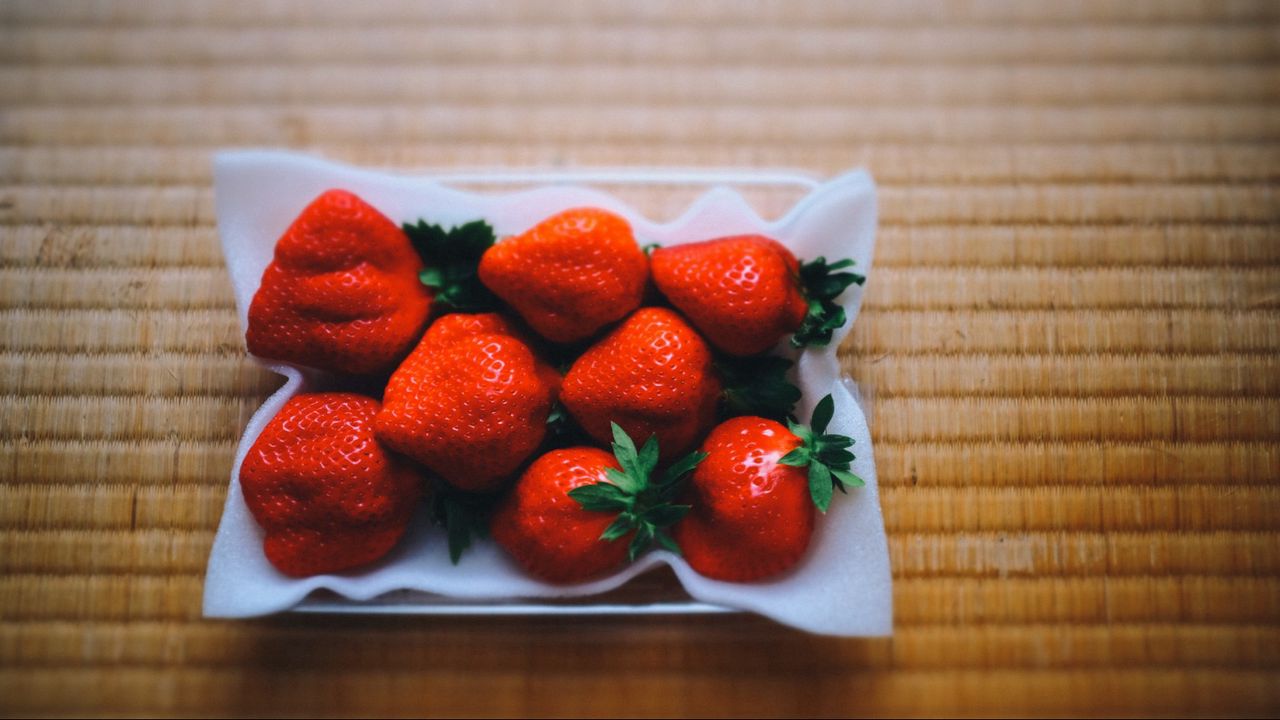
{"points": [[753, 501], [568, 512], [746, 292], [652, 375], [569, 275], [342, 293], [470, 402], [328, 496]]}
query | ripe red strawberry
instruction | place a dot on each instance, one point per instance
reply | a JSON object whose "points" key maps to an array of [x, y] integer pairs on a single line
{"points": [[746, 292], [470, 402], [753, 501], [569, 275], [342, 293], [328, 496], [652, 375], [567, 513]]}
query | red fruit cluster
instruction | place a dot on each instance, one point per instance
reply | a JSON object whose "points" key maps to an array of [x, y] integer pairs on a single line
{"points": [[659, 351]]}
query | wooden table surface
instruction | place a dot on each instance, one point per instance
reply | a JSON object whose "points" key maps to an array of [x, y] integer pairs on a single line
{"points": [[1071, 338]]}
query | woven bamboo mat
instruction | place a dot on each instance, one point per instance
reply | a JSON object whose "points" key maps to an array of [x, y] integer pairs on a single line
{"points": [[1072, 340]]}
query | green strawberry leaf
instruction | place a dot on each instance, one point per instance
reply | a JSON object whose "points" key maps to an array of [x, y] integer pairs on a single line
{"points": [[666, 543], [624, 449], [757, 386], [846, 478], [797, 458], [820, 486], [601, 497], [451, 259], [678, 469], [642, 503], [664, 515], [801, 431], [822, 414], [640, 542], [624, 481], [835, 458], [465, 517], [647, 459], [821, 287], [432, 277], [826, 456], [624, 524]]}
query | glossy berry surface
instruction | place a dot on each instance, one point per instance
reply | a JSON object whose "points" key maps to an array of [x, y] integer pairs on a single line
{"points": [[549, 533], [470, 402], [742, 292], [652, 375], [329, 497], [752, 516], [571, 274], [342, 293]]}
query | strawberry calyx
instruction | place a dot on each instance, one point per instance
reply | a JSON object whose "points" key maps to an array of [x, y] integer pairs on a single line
{"points": [[463, 515], [757, 386], [827, 456], [821, 286], [642, 502], [451, 258]]}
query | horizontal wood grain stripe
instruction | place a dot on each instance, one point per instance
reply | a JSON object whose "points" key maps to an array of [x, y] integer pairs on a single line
{"points": [[126, 506], [917, 205], [951, 554], [1170, 246], [1132, 508], [635, 124], [103, 247], [271, 687], [1101, 375], [950, 333], [474, 646], [890, 163], [765, 85], [895, 288], [155, 375], [37, 417], [73, 331], [105, 551], [79, 464], [775, 13], [907, 509], [1077, 418], [1069, 553], [653, 45], [1071, 600], [1166, 246], [1102, 464], [890, 288], [917, 601], [206, 288]]}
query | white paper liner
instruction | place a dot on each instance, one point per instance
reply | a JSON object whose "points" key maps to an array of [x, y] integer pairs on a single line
{"points": [[842, 586]]}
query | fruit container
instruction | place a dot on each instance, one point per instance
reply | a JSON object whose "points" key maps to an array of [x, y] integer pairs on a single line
{"points": [[257, 195]]}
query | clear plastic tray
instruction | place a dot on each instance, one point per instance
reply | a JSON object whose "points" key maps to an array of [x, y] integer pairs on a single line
{"points": [[660, 194]]}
